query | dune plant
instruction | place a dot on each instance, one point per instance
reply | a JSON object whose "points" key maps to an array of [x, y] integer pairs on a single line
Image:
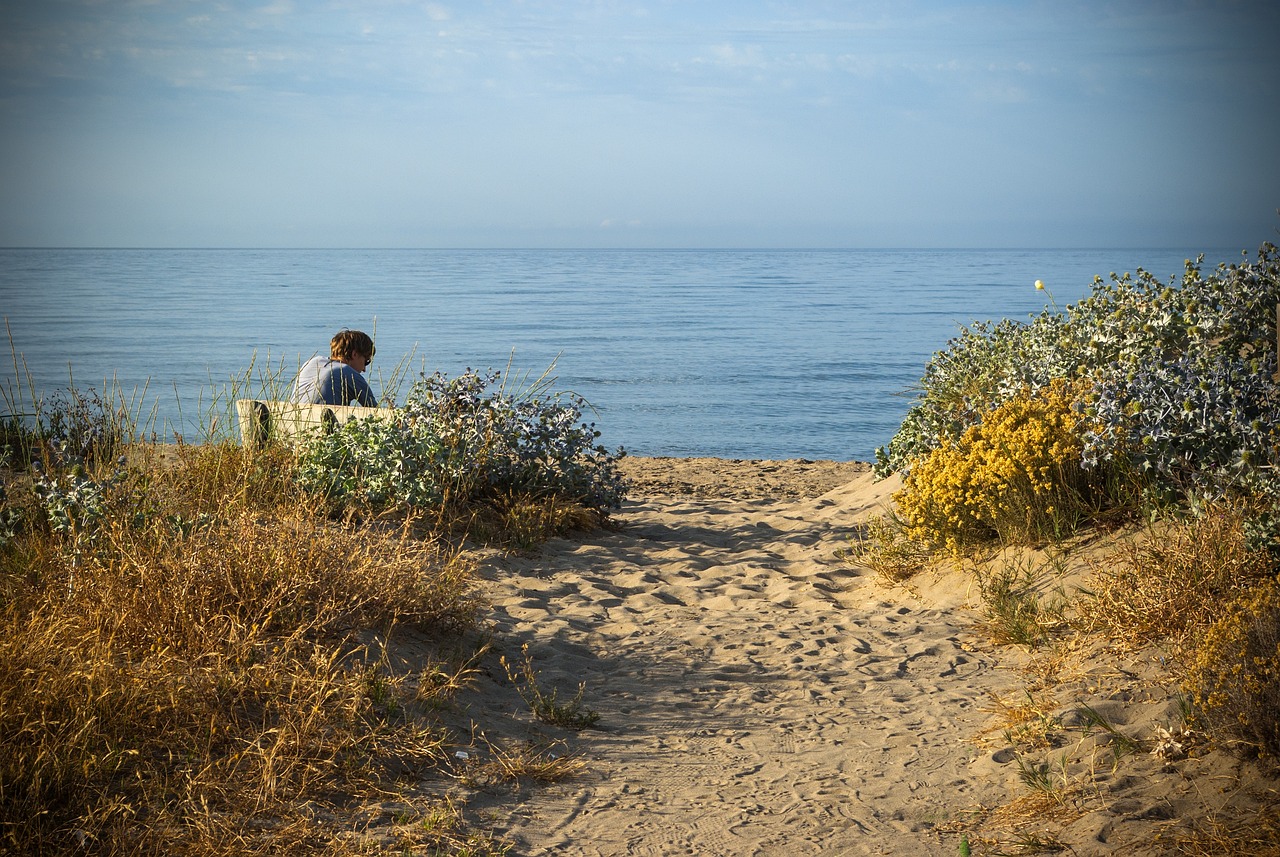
{"points": [[1177, 378], [195, 667], [985, 365], [1016, 475], [464, 439], [537, 761], [548, 706], [1015, 608], [1175, 580], [1235, 674], [883, 546]]}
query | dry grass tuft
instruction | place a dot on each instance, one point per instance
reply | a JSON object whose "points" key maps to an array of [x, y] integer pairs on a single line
{"points": [[1174, 581], [884, 547], [528, 760], [523, 522], [1257, 835], [1026, 721]]}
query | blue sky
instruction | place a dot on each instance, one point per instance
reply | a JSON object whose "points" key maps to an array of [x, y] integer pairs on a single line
{"points": [[652, 123]]}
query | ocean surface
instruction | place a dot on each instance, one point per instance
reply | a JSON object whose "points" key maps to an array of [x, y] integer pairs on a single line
{"points": [[730, 353]]}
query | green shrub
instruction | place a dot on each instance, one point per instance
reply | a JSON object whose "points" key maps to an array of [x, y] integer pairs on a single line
{"points": [[1178, 380], [987, 364], [455, 441]]}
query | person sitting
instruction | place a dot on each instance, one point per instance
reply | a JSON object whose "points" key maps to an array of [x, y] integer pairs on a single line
{"points": [[337, 379]]}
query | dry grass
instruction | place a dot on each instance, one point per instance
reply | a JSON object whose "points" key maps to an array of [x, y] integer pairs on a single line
{"points": [[1026, 721], [884, 547], [527, 760], [1175, 580], [1256, 835], [197, 670], [522, 522], [1198, 589]]}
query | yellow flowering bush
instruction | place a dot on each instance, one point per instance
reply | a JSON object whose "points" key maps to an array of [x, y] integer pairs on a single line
{"points": [[1235, 676], [1015, 475]]}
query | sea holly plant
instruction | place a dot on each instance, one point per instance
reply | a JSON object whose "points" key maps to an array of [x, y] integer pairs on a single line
{"points": [[465, 438], [1190, 425], [73, 503]]}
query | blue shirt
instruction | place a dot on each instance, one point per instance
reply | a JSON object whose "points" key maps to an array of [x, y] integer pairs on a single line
{"points": [[325, 381]]}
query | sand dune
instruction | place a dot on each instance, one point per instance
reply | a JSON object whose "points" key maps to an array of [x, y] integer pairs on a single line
{"points": [[760, 694]]}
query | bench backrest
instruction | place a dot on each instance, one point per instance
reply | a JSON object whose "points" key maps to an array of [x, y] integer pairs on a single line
{"points": [[263, 420]]}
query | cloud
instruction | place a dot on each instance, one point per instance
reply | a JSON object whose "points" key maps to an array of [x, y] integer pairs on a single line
{"points": [[277, 7], [597, 115], [733, 56]]}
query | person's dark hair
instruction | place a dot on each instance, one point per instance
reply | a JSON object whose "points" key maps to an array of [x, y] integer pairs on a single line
{"points": [[348, 343]]}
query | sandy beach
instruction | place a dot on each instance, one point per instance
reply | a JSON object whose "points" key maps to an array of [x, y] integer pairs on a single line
{"points": [[760, 694]]}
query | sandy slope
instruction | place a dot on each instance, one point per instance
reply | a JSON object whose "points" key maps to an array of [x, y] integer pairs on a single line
{"points": [[759, 694]]}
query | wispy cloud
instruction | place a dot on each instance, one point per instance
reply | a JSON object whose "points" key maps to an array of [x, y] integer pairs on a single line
{"points": [[601, 113]]}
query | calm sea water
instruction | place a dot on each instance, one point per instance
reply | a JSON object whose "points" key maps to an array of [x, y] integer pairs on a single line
{"points": [[739, 354]]}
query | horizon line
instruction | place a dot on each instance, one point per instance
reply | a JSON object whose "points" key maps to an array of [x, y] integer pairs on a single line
{"points": [[580, 249]]}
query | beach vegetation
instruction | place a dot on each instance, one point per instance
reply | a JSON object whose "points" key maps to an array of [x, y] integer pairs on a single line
{"points": [[1174, 382], [526, 760], [1175, 579], [1149, 406], [1015, 606], [1227, 834], [1028, 721], [1015, 477], [1234, 674], [1093, 722], [1144, 400], [202, 647], [547, 705], [462, 441], [883, 546], [193, 658]]}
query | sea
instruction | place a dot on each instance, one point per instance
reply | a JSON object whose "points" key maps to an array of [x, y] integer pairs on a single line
{"points": [[744, 354]]}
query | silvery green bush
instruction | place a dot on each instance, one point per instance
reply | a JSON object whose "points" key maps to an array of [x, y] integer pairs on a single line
{"points": [[1191, 424], [984, 366], [1181, 376], [461, 439]]}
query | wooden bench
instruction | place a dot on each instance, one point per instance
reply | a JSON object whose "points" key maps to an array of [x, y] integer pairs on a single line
{"points": [[263, 420]]}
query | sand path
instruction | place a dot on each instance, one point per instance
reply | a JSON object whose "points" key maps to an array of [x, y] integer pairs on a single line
{"points": [[758, 694]]}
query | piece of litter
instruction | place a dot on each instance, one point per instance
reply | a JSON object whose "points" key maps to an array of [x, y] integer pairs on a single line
{"points": [[462, 755]]}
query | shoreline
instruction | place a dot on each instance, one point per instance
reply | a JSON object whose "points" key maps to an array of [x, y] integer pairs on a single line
{"points": [[737, 478]]}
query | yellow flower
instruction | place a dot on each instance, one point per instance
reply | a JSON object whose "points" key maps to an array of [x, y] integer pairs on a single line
{"points": [[1040, 285]]}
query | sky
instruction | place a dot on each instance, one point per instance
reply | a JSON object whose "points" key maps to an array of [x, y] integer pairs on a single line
{"points": [[639, 123]]}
